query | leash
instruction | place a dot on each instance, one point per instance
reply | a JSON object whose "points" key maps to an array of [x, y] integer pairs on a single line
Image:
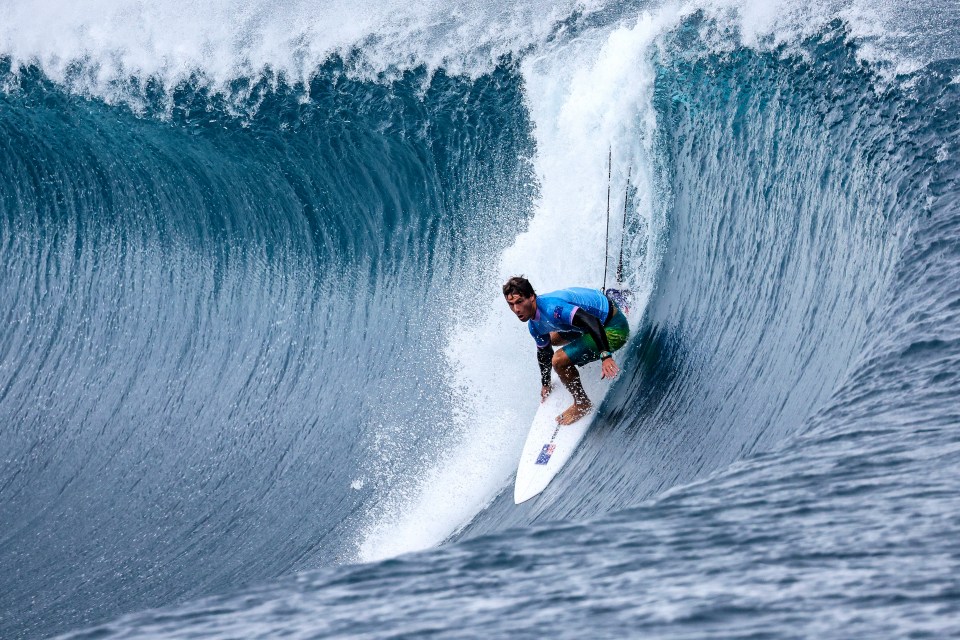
{"points": [[623, 231], [606, 239]]}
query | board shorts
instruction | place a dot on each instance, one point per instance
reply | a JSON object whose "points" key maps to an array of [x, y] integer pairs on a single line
{"points": [[582, 349]]}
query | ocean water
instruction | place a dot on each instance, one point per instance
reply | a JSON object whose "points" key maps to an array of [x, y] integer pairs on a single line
{"points": [[257, 378]]}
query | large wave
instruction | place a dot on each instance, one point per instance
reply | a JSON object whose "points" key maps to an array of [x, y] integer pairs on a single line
{"points": [[251, 281], [220, 332]]}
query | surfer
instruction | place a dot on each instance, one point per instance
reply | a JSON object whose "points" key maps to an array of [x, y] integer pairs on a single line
{"points": [[584, 323]]}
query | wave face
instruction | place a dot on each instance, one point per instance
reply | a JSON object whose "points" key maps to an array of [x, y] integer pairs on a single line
{"points": [[254, 332], [210, 318]]}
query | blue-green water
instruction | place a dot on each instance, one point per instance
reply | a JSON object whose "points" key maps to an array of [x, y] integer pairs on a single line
{"points": [[253, 345]]}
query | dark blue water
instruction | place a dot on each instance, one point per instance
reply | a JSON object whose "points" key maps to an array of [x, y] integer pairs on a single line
{"points": [[224, 317]]}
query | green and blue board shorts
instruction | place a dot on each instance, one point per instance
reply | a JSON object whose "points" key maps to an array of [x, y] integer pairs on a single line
{"points": [[582, 348]]}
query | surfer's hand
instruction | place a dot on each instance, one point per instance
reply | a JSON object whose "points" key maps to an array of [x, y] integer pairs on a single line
{"points": [[609, 368], [544, 392]]}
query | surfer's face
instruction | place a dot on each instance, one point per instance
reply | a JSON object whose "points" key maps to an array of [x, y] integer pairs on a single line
{"points": [[523, 308]]}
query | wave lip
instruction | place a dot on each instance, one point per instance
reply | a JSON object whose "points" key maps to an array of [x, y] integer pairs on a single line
{"points": [[98, 48]]}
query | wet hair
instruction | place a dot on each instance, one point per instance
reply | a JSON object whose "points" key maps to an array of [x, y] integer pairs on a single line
{"points": [[520, 286]]}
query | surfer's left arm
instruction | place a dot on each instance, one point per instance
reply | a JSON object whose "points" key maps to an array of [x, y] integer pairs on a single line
{"points": [[594, 328]]}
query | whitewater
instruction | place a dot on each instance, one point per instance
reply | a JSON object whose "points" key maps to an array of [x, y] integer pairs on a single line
{"points": [[257, 377]]}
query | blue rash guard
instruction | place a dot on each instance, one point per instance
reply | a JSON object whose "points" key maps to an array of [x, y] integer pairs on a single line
{"points": [[555, 312]]}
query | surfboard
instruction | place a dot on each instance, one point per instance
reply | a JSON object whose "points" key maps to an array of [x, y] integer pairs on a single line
{"points": [[549, 445]]}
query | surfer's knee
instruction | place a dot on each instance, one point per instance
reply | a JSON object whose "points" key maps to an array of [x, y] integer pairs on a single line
{"points": [[561, 360]]}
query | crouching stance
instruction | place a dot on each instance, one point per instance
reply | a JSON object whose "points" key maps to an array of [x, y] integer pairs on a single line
{"points": [[584, 323]]}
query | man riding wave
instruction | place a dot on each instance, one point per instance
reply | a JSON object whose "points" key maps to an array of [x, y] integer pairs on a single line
{"points": [[584, 323]]}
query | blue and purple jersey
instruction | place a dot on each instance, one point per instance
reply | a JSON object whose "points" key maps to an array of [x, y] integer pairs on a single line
{"points": [[555, 311]]}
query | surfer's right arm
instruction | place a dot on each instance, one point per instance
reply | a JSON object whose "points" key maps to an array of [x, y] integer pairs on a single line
{"points": [[545, 360]]}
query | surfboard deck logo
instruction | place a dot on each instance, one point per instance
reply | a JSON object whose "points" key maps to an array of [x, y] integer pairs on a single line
{"points": [[548, 445]]}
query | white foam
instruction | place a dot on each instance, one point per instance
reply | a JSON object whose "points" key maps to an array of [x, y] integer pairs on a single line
{"points": [[893, 36], [583, 95], [581, 98], [171, 41]]}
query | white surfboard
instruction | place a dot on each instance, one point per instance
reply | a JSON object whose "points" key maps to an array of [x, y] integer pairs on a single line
{"points": [[550, 445]]}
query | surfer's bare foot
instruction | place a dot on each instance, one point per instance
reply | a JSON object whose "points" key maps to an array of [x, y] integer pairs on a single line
{"points": [[574, 412]]}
